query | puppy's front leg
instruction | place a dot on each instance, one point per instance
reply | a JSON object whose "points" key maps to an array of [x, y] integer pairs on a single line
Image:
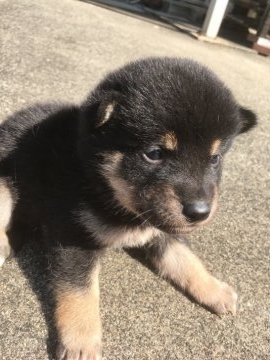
{"points": [[175, 261], [77, 318]]}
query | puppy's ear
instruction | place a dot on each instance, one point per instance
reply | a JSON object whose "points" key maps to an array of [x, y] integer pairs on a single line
{"points": [[247, 120], [105, 111], [100, 110]]}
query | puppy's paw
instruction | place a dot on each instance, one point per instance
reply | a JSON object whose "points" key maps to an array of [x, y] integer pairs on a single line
{"points": [[220, 298], [5, 249], [78, 323], [90, 352]]}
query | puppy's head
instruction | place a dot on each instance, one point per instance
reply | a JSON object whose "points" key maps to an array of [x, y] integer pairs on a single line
{"points": [[160, 129]]}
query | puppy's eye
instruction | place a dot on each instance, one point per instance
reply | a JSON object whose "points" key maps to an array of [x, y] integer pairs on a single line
{"points": [[153, 155], [215, 159]]}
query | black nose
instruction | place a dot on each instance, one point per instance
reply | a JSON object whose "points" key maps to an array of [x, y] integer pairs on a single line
{"points": [[196, 211]]}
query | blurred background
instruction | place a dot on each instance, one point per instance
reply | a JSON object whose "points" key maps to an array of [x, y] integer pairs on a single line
{"points": [[244, 22]]}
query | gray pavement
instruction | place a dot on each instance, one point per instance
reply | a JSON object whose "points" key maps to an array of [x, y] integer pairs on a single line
{"points": [[59, 50]]}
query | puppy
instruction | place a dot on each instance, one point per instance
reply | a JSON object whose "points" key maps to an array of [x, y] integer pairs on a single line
{"points": [[136, 165]]}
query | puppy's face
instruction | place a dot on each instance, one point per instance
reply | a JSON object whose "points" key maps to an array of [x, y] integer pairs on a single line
{"points": [[160, 129]]}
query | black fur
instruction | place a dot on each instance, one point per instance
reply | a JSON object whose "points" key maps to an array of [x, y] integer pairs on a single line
{"points": [[53, 157]]}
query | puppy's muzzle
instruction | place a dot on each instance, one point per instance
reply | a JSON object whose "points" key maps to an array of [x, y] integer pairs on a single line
{"points": [[196, 211]]}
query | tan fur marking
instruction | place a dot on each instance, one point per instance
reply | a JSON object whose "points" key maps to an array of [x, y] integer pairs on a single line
{"points": [[215, 146], [117, 237], [169, 140], [123, 191], [77, 316], [182, 266], [107, 114], [185, 269], [5, 249], [130, 238], [6, 205]]}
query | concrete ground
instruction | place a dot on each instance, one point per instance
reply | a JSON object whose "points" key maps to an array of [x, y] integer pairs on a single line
{"points": [[59, 50]]}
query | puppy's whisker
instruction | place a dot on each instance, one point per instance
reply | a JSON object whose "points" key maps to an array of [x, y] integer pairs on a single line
{"points": [[141, 214], [145, 220]]}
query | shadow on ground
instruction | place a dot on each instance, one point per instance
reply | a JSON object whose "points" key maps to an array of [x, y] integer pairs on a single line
{"points": [[32, 260]]}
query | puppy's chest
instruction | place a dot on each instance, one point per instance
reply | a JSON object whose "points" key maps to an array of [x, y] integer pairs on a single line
{"points": [[127, 238], [116, 236]]}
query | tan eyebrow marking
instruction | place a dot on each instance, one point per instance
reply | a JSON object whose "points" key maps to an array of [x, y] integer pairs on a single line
{"points": [[169, 140], [215, 146]]}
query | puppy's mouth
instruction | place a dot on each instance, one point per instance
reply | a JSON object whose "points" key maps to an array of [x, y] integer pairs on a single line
{"points": [[176, 230], [178, 226]]}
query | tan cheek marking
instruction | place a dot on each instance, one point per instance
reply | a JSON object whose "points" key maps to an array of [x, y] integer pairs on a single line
{"points": [[77, 316], [215, 146], [107, 114], [111, 162], [169, 141], [167, 204], [123, 191]]}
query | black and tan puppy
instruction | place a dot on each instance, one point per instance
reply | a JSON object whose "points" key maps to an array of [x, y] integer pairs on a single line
{"points": [[138, 164]]}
